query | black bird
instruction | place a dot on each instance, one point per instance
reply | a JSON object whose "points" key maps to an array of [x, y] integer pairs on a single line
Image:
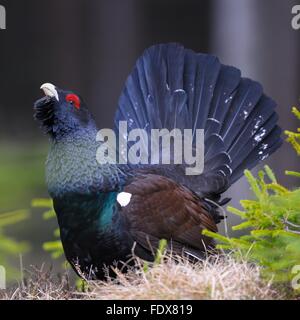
{"points": [[106, 212]]}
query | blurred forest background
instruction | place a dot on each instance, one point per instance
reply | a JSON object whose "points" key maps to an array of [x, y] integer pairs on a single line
{"points": [[91, 47]]}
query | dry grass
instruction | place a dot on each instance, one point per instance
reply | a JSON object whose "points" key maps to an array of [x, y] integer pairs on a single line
{"points": [[216, 278]]}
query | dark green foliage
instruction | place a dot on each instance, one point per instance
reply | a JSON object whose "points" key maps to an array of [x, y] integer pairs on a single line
{"points": [[274, 219], [10, 248], [22, 174], [294, 137], [55, 246]]}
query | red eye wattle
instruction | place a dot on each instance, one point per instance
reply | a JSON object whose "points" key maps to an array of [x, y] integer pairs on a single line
{"points": [[72, 98]]}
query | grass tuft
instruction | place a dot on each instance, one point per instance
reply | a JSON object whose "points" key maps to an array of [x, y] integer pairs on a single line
{"points": [[218, 278]]}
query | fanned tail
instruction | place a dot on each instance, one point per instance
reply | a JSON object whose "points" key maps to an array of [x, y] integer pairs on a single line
{"points": [[172, 87]]}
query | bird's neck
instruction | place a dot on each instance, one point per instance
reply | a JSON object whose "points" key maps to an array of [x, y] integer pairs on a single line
{"points": [[72, 166]]}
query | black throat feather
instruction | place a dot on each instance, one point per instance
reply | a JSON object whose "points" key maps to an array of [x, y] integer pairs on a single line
{"points": [[44, 113]]}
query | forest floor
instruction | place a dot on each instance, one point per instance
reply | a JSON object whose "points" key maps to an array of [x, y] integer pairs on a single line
{"points": [[221, 278]]}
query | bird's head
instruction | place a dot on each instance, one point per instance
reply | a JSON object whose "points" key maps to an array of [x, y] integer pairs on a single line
{"points": [[61, 112]]}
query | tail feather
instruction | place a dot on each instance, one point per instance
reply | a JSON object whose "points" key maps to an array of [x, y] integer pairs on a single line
{"points": [[213, 126], [205, 75], [245, 100], [259, 153], [263, 111], [215, 146], [257, 139], [172, 87], [226, 88]]}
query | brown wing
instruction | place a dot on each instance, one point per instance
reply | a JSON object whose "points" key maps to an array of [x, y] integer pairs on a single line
{"points": [[161, 209]]}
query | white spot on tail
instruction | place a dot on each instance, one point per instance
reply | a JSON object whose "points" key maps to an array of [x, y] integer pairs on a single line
{"points": [[124, 198]]}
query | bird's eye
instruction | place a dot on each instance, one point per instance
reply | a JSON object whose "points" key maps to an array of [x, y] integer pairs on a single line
{"points": [[73, 99]]}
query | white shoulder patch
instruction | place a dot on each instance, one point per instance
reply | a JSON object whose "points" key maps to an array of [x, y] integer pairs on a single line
{"points": [[124, 198]]}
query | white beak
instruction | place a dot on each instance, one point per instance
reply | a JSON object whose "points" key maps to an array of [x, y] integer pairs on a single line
{"points": [[50, 90]]}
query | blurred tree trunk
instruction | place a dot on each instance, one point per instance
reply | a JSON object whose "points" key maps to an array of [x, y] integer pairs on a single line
{"points": [[256, 36]]}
